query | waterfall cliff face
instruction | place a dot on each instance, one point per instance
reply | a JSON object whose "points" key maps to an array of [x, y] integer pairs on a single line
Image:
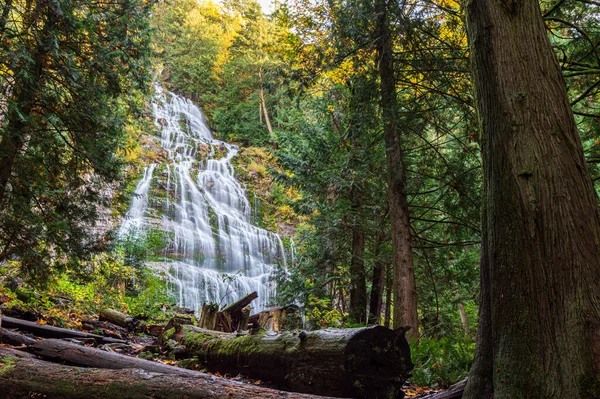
{"points": [[214, 253]]}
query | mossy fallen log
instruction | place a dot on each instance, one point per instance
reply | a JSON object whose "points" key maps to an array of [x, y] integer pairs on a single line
{"points": [[23, 377], [370, 362]]}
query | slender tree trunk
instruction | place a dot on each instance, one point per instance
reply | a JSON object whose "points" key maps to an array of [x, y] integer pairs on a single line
{"points": [[405, 293], [464, 320], [377, 284], [263, 103], [358, 285], [388, 297], [539, 333]]}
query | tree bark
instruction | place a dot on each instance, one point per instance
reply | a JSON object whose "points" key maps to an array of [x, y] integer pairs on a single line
{"points": [[22, 377], [370, 362], [539, 331], [405, 292]]}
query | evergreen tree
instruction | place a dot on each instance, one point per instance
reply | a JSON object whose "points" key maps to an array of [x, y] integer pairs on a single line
{"points": [[70, 74]]}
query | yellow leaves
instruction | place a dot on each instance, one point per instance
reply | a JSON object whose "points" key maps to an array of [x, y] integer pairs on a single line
{"points": [[42, 322]]}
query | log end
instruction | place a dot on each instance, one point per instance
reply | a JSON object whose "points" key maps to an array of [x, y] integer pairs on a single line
{"points": [[378, 361]]}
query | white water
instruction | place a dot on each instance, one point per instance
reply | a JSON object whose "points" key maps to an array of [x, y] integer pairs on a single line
{"points": [[215, 253]]}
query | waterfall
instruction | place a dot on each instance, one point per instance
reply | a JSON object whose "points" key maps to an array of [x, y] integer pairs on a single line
{"points": [[214, 253]]}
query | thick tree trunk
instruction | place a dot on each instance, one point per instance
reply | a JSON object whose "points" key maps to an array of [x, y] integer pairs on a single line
{"points": [[54, 332], [358, 283], [368, 362], [539, 332], [405, 292], [23, 377]]}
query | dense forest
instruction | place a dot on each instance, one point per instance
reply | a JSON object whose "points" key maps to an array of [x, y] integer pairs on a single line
{"points": [[196, 187]]}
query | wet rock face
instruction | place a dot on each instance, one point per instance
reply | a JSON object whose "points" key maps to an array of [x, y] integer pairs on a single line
{"points": [[213, 253]]}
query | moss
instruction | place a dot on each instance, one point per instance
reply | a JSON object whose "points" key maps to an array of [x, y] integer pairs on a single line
{"points": [[205, 342], [167, 335], [7, 365]]}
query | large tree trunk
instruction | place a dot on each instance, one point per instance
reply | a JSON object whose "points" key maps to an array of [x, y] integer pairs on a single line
{"points": [[405, 292], [539, 333], [368, 362], [23, 377]]}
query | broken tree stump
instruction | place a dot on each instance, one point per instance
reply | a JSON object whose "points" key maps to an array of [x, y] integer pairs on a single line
{"points": [[208, 318], [277, 319], [232, 318], [22, 377], [370, 362]]}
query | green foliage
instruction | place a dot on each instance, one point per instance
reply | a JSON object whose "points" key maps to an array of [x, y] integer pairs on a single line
{"points": [[73, 75], [143, 246], [320, 314], [440, 363], [105, 281]]}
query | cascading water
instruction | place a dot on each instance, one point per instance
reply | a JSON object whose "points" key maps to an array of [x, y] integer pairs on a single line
{"points": [[215, 253]]}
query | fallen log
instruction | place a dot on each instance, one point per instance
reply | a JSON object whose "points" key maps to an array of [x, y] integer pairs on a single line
{"points": [[106, 328], [14, 338], [119, 318], [370, 362], [79, 355], [22, 377], [454, 392], [45, 331]]}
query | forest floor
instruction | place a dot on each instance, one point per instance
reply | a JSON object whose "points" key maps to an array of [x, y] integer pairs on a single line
{"points": [[142, 338]]}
